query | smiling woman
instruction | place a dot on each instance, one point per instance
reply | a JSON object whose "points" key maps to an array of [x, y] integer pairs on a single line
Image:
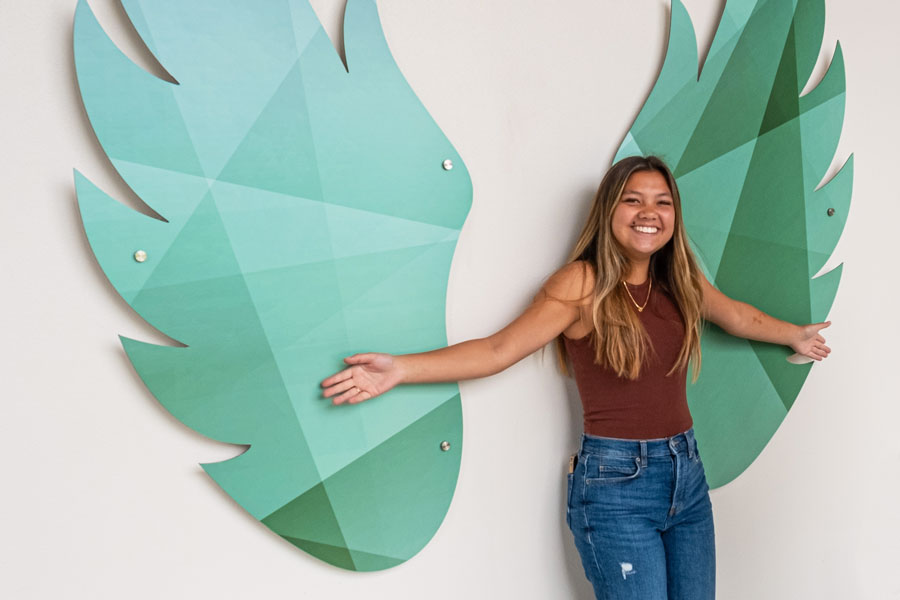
{"points": [[635, 234], [626, 311]]}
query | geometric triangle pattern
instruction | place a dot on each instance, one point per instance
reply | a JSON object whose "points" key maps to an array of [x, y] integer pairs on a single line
{"points": [[748, 153], [311, 211]]}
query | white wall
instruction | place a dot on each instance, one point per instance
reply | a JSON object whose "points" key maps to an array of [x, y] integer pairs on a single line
{"points": [[102, 496]]}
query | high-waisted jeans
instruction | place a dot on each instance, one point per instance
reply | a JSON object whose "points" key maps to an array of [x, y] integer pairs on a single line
{"points": [[642, 519]]}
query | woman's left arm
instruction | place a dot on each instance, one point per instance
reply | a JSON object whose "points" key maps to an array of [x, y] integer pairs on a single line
{"points": [[742, 320]]}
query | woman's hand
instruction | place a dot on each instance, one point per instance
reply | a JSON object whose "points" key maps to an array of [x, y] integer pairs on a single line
{"points": [[371, 374], [810, 343]]}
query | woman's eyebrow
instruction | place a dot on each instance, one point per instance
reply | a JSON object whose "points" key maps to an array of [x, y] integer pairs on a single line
{"points": [[641, 194]]}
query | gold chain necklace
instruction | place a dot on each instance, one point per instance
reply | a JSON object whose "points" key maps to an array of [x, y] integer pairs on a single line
{"points": [[638, 306]]}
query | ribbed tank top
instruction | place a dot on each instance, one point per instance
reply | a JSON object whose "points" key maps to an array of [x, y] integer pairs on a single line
{"points": [[653, 405]]}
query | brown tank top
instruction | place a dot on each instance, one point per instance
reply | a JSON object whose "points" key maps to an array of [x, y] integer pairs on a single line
{"points": [[653, 405]]}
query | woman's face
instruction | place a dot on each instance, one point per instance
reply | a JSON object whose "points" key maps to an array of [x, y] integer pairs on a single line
{"points": [[644, 219]]}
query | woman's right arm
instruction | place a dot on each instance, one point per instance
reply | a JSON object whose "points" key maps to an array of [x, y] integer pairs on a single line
{"points": [[554, 308]]}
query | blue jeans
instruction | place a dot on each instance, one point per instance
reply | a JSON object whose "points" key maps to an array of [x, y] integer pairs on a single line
{"points": [[642, 519]]}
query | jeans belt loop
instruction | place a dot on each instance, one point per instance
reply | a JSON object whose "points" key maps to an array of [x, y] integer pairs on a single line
{"points": [[689, 437], [643, 453]]}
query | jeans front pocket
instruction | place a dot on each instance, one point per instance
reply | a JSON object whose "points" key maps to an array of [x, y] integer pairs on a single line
{"points": [[606, 469]]}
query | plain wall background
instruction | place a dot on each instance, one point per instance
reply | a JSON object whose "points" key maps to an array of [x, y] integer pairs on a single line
{"points": [[102, 493]]}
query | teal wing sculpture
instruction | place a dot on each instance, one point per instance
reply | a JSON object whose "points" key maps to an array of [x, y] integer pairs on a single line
{"points": [[309, 213], [748, 152]]}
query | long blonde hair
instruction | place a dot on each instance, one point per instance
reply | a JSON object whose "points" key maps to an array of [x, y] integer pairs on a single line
{"points": [[620, 340]]}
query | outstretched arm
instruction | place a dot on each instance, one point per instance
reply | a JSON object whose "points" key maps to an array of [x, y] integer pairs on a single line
{"points": [[742, 320], [553, 309]]}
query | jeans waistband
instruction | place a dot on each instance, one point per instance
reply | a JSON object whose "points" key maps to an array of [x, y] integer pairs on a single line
{"points": [[682, 442]]}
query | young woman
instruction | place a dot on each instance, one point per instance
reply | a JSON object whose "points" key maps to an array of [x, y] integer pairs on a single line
{"points": [[626, 312]]}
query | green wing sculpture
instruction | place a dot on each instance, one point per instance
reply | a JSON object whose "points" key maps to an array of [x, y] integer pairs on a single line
{"points": [[311, 211], [749, 152]]}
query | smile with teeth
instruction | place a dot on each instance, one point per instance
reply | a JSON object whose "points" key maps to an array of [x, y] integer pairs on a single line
{"points": [[645, 229]]}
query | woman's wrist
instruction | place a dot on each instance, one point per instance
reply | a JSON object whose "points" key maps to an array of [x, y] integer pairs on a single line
{"points": [[401, 365], [798, 333]]}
